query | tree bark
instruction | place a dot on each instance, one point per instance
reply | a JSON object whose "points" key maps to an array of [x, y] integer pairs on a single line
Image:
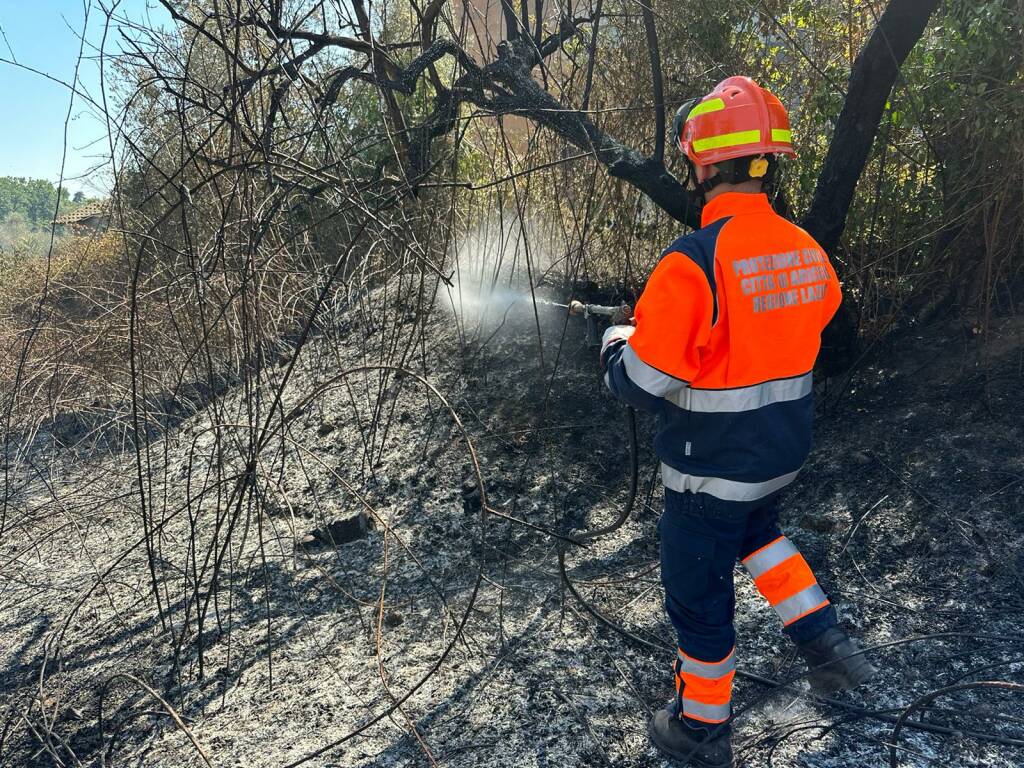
{"points": [[657, 86], [871, 81]]}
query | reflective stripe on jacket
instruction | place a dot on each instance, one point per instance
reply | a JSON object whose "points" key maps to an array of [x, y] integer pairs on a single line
{"points": [[727, 332]]}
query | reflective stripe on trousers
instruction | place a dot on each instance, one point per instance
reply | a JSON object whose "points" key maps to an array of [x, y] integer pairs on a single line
{"points": [[705, 687], [720, 488], [785, 579]]}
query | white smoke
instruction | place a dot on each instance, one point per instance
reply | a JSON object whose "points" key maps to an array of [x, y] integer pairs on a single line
{"points": [[493, 265]]}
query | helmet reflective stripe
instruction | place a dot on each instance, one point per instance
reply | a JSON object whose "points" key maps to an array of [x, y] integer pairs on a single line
{"points": [[711, 105], [727, 140], [782, 135]]}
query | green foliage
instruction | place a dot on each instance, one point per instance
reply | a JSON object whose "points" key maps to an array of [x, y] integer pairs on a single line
{"points": [[29, 204], [948, 144], [34, 199], [934, 220]]}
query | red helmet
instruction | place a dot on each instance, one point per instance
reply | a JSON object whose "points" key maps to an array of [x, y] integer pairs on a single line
{"points": [[738, 118]]}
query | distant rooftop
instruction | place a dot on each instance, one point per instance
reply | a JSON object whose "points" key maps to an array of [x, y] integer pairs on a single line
{"points": [[87, 211]]}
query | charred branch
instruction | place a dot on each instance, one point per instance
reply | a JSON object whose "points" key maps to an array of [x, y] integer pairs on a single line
{"points": [[657, 87], [504, 86]]}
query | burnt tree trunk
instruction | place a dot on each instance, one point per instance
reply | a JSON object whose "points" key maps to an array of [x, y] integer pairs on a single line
{"points": [[871, 81]]}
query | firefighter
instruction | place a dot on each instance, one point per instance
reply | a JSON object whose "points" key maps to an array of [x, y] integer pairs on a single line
{"points": [[721, 349]]}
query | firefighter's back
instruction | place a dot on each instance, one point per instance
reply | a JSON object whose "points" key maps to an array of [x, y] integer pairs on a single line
{"points": [[775, 291], [728, 329]]}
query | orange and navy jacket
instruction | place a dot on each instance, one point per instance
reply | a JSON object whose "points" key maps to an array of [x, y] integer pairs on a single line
{"points": [[727, 332]]}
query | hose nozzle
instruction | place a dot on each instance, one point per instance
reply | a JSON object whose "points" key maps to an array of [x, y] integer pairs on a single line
{"points": [[619, 314]]}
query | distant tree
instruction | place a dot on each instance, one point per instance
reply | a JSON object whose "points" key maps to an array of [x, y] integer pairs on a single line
{"points": [[35, 199], [79, 197]]}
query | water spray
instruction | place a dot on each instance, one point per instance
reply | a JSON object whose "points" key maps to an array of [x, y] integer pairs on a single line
{"points": [[592, 313]]}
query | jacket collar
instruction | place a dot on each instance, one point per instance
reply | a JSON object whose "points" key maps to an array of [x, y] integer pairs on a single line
{"points": [[732, 204]]}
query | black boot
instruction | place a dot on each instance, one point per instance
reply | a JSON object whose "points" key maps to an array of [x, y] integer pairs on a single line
{"points": [[706, 748], [836, 662]]}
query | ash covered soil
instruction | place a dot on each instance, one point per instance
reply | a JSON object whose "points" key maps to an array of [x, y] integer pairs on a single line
{"points": [[443, 634]]}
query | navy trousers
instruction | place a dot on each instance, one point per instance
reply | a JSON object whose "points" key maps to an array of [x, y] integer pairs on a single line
{"points": [[702, 538]]}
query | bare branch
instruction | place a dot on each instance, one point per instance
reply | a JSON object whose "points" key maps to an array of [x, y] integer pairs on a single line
{"points": [[651, 31]]}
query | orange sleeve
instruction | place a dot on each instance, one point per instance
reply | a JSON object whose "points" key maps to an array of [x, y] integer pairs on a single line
{"points": [[673, 317]]}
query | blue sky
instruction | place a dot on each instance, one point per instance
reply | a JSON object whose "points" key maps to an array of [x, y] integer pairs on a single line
{"points": [[44, 35]]}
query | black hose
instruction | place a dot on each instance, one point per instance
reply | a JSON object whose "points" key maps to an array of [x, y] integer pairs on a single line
{"points": [[627, 509], [634, 473]]}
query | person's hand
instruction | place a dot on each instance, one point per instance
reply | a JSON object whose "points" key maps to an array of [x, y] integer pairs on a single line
{"points": [[616, 333]]}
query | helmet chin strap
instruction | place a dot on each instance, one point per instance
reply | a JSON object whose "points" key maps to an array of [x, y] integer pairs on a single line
{"points": [[701, 188], [710, 183], [731, 172]]}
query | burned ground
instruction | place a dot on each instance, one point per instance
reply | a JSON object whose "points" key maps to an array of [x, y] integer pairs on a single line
{"points": [[453, 621]]}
